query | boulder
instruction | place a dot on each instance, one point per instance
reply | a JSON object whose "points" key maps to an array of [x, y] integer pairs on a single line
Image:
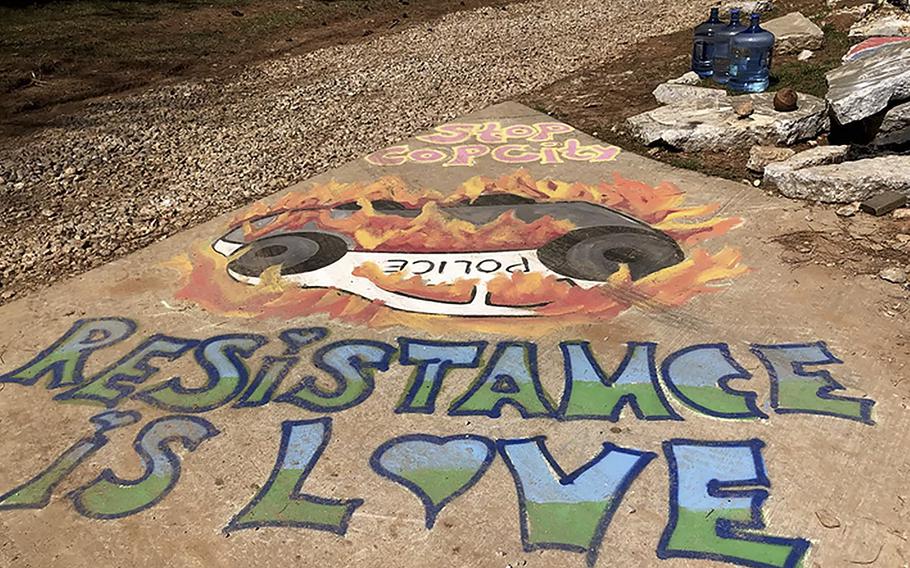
{"points": [[675, 93], [761, 156], [895, 127], [794, 33], [823, 174], [884, 22], [714, 125], [866, 86], [818, 156]]}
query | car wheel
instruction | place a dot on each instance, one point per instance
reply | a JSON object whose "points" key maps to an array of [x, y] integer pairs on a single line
{"points": [[295, 252], [596, 253]]}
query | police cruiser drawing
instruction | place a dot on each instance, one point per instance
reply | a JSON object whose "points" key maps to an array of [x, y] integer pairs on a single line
{"points": [[586, 256]]}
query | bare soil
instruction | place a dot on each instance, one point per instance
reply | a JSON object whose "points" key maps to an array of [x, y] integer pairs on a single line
{"points": [[56, 55]]}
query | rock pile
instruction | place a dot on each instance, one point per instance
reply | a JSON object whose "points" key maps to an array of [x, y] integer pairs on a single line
{"points": [[869, 100], [866, 113], [883, 22]]}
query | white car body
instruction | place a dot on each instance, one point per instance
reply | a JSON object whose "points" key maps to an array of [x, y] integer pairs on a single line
{"points": [[433, 268]]}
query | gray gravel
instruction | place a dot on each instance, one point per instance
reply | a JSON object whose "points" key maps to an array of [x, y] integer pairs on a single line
{"points": [[132, 170]]}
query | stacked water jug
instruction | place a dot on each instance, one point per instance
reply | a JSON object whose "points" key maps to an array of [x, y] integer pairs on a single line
{"points": [[733, 54]]}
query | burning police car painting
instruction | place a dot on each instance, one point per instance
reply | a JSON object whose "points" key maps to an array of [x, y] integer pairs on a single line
{"points": [[494, 248], [586, 256]]}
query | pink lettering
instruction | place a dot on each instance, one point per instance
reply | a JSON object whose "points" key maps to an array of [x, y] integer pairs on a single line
{"points": [[572, 150], [467, 155], [490, 133], [546, 130], [449, 134], [514, 154], [520, 131], [605, 153], [549, 156], [427, 156], [393, 156]]}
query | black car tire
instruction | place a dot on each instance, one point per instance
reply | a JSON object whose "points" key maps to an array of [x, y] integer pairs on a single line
{"points": [[295, 252], [596, 253]]}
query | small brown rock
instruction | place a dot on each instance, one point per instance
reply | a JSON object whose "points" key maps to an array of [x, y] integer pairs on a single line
{"points": [[744, 109], [827, 519], [785, 100], [848, 210]]}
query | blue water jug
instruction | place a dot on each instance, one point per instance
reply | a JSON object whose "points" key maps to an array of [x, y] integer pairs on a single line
{"points": [[722, 47], [750, 58], [703, 44]]}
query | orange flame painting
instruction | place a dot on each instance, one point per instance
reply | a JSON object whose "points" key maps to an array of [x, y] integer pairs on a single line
{"points": [[512, 246]]}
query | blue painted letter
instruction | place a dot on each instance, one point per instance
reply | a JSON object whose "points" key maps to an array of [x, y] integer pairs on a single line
{"points": [[433, 359], [715, 506], [280, 503], [509, 378], [796, 390], [569, 511], [699, 377], [590, 394]]}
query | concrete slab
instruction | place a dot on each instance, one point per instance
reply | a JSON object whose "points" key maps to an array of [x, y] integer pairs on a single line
{"points": [[501, 343]]}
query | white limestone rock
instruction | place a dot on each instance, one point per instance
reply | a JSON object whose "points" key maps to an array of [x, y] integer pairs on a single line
{"points": [[794, 33], [895, 127], [671, 93], [884, 22], [824, 174], [866, 86]]}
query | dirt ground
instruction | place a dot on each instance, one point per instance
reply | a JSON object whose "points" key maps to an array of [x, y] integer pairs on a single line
{"points": [[55, 55]]}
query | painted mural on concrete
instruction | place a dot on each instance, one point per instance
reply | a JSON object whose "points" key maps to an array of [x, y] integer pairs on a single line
{"points": [[381, 253], [397, 362], [462, 144], [716, 487]]}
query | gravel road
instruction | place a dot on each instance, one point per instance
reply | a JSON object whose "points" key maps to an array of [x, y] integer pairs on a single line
{"points": [[132, 170]]}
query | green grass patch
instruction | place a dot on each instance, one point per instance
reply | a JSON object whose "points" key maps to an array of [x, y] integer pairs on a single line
{"points": [[809, 76]]}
